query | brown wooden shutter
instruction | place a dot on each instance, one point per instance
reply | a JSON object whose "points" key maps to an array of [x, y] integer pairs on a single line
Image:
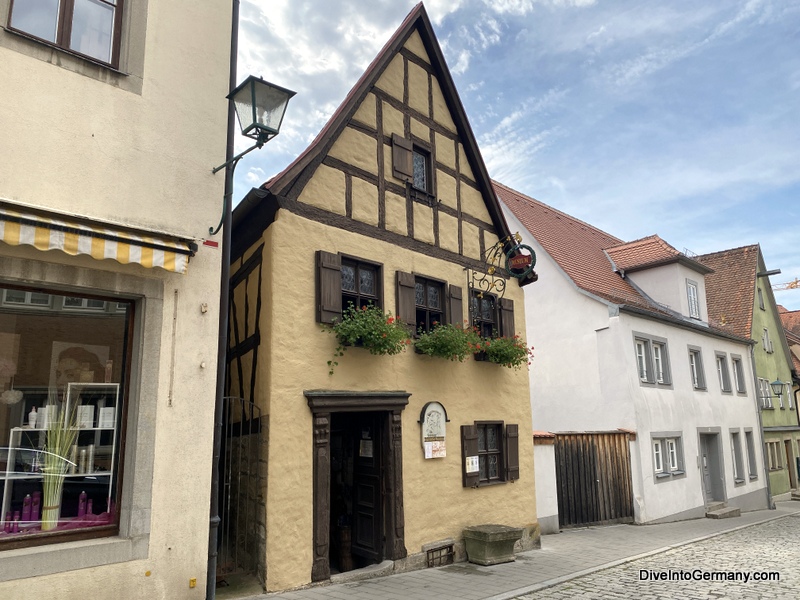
{"points": [[329, 287], [507, 317], [512, 452], [406, 299], [402, 158], [469, 447], [455, 306]]}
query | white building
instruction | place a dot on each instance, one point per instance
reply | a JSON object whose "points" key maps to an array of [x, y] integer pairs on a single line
{"points": [[113, 115], [653, 409]]}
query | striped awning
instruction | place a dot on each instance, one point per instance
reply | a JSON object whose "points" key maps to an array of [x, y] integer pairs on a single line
{"points": [[98, 240]]}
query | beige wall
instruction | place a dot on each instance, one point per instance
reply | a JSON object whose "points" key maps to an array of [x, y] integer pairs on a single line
{"points": [[293, 359], [140, 156]]}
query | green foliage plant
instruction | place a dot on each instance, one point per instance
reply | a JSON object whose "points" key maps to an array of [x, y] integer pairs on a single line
{"points": [[453, 341], [509, 352], [371, 328]]}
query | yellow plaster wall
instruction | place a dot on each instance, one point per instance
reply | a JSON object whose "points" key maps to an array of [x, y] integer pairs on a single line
{"points": [[472, 203], [463, 163], [415, 45], [418, 88], [296, 350], [392, 120], [326, 190], [470, 240], [365, 201], [356, 148], [448, 232], [445, 151], [446, 189], [423, 223], [391, 80], [366, 112], [420, 130], [396, 213], [441, 113]]}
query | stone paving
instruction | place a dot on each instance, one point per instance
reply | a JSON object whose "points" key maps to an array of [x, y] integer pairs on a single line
{"points": [[771, 547], [603, 562]]}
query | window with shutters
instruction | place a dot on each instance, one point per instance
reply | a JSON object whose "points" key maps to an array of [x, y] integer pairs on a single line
{"points": [[429, 302], [90, 28], [344, 280], [490, 453], [483, 308], [412, 162]]}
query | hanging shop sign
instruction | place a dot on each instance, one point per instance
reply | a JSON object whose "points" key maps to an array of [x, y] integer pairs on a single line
{"points": [[520, 261], [433, 421]]}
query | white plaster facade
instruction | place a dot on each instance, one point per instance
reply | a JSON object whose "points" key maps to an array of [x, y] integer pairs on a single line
{"points": [[585, 379], [132, 147]]}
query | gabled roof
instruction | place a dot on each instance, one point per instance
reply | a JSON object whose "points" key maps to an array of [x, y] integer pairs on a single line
{"points": [[790, 320], [581, 251], [649, 252], [577, 247], [297, 173], [730, 289]]}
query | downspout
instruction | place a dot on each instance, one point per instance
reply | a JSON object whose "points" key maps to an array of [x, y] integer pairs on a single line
{"points": [[770, 503], [222, 342]]}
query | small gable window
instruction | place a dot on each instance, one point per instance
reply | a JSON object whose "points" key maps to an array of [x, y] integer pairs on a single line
{"points": [[694, 302], [412, 162], [422, 168]]}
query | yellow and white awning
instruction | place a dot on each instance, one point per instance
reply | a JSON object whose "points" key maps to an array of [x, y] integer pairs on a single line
{"points": [[98, 240]]}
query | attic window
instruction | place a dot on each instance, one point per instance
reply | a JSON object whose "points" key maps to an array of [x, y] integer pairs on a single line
{"points": [[422, 167], [412, 162]]}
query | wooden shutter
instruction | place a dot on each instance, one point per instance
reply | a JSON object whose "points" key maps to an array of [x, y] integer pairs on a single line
{"points": [[455, 306], [406, 299], [469, 447], [402, 158], [512, 452], [507, 317], [329, 287]]}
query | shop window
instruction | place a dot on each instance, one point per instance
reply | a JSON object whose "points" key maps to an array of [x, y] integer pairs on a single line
{"points": [[62, 377], [490, 453], [90, 28]]}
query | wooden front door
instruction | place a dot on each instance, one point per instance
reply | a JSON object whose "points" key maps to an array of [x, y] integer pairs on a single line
{"points": [[708, 492], [367, 488]]}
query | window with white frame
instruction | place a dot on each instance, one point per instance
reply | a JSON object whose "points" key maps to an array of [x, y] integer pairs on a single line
{"points": [[751, 454], [694, 299], [736, 452], [738, 374], [696, 369], [766, 341], [667, 455], [787, 392], [722, 372], [652, 359], [774, 456], [764, 393]]}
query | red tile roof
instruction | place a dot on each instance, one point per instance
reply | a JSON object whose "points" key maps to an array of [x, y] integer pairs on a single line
{"points": [[730, 289], [642, 253], [790, 320], [577, 247]]}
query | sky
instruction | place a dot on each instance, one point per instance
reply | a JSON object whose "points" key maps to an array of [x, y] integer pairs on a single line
{"points": [[674, 118]]}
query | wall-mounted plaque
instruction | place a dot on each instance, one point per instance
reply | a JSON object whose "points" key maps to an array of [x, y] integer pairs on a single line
{"points": [[433, 421]]}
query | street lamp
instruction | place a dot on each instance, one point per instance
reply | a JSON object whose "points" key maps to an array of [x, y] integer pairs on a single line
{"points": [[260, 107], [777, 387]]}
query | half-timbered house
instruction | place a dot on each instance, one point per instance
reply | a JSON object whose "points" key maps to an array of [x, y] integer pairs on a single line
{"points": [[390, 206]]}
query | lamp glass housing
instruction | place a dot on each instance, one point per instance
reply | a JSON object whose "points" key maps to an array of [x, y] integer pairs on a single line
{"points": [[260, 107], [777, 387]]}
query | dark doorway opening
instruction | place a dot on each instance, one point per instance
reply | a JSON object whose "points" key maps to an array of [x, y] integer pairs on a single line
{"points": [[357, 499]]}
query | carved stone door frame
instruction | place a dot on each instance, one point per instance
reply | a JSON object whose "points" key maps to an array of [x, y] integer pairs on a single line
{"points": [[324, 402]]}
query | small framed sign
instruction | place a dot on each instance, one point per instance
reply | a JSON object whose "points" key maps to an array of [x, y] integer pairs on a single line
{"points": [[434, 430]]}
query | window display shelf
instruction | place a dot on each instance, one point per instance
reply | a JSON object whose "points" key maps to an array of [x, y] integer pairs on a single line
{"points": [[94, 448]]}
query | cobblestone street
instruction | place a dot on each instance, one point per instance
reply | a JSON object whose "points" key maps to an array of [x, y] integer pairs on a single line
{"points": [[769, 547]]}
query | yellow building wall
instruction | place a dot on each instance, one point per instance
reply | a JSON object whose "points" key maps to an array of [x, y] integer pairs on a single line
{"points": [[294, 358]]}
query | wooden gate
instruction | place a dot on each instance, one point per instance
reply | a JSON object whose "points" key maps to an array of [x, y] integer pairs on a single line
{"points": [[593, 478]]}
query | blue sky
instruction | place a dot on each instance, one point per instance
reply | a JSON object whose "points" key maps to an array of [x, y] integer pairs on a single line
{"points": [[678, 118]]}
